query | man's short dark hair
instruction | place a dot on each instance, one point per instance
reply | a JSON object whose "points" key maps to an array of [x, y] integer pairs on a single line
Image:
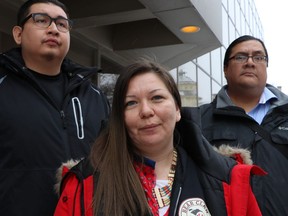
{"points": [[24, 10], [240, 40]]}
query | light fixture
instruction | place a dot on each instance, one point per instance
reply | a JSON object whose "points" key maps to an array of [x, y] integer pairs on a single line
{"points": [[190, 29]]}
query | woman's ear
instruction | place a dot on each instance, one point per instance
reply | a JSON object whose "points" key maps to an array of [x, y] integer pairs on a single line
{"points": [[17, 34], [178, 115]]}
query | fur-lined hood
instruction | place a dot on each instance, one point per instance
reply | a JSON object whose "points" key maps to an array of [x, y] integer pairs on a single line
{"points": [[61, 171], [242, 156]]}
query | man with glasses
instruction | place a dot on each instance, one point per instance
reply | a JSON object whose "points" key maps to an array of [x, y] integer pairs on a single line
{"points": [[49, 112], [251, 114]]}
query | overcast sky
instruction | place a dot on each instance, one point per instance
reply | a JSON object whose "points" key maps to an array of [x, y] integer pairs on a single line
{"points": [[274, 18]]}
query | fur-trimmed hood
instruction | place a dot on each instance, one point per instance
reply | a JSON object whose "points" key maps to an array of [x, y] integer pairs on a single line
{"points": [[242, 156], [61, 171]]}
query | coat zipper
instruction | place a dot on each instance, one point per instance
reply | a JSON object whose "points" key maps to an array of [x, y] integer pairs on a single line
{"points": [[177, 200]]}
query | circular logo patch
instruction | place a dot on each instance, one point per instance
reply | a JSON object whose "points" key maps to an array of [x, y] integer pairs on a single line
{"points": [[193, 207]]}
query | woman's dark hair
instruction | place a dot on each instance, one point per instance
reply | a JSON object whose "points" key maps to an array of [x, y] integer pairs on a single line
{"points": [[24, 10], [118, 190], [240, 40]]}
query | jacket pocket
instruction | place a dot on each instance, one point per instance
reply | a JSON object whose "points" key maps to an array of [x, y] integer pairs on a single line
{"points": [[220, 137], [279, 137]]}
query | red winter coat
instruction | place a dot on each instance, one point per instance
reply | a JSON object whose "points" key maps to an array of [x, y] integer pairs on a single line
{"points": [[229, 194]]}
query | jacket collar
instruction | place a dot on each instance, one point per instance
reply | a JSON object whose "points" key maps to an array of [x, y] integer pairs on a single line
{"points": [[222, 99], [72, 69]]}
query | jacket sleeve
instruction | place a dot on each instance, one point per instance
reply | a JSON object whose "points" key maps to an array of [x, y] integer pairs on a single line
{"points": [[239, 197]]}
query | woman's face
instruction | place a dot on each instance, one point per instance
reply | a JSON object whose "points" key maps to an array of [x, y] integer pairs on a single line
{"points": [[150, 112]]}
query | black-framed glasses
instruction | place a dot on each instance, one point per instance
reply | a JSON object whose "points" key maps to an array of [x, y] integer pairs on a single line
{"points": [[43, 20], [240, 58]]}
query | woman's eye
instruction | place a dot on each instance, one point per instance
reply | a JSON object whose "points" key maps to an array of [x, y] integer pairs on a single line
{"points": [[157, 97], [130, 103]]}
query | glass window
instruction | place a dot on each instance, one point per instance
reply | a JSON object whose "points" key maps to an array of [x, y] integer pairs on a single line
{"points": [[204, 62], [225, 4], [204, 88], [187, 84], [173, 72], [223, 50], [243, 24], [237, 17], [216, 70], [225, 38], [231, 32], [231, 10], [243, 5], [190, 70], [250, 18]]}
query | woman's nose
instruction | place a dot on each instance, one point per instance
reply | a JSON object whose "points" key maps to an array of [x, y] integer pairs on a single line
{"points": [[146, 110]]}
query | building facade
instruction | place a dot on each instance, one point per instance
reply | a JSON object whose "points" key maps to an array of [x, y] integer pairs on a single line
{"points": [[204, 76], [111, 37]]}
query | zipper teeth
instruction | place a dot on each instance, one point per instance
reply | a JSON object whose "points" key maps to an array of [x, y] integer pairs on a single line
{"points": [[177, 201]]}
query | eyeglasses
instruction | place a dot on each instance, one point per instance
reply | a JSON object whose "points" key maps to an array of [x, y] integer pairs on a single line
{"points": [[244, 58], [44, 21]]}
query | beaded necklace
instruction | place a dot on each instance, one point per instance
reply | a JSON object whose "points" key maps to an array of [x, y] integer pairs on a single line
{"points": [[162, 195]]}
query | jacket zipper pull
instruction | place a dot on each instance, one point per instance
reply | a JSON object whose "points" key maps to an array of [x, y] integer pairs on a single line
{"points": [[63, 118], [78, 117]]}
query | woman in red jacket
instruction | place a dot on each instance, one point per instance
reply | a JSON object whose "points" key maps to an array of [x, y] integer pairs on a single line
{"points": [[137, 167]]}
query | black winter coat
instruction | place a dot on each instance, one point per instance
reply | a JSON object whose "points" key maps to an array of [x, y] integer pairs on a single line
{"points": [[36, 135], [268, 144]]}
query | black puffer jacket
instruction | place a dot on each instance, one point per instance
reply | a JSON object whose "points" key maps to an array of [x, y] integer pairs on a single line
{"points": [[223, 123], [36, 135]]}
